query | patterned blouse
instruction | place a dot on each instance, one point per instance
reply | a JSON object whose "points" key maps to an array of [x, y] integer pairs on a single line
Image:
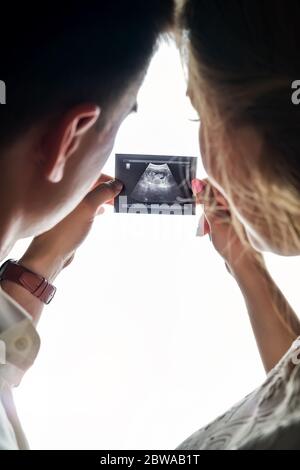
{"points": [[268, 418]]}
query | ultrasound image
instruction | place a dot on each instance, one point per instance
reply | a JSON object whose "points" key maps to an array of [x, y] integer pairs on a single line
{"points": [[157, 184]]}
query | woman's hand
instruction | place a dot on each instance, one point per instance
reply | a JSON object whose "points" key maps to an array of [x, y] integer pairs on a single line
{"points": [[217, 222], [51, 251], [275, 324]]}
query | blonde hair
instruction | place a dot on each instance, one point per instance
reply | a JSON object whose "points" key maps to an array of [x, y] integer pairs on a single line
{"points": [[242, 63]]}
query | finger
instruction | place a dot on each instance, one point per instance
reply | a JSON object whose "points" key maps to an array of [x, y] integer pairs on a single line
{"points": [[103, 193], [111, 202], [201, 190], [204, 195], [221, 200], [207, 199], [102, 179], [197, 186], [221, 206], [205, 191], [215, 207], [210, 196]]}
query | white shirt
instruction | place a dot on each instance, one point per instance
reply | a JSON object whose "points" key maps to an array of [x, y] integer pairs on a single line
{"points": [[19, 346], [267, 419]]}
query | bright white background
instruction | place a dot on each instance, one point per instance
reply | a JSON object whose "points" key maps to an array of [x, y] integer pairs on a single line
{"points": [[157, 342]]}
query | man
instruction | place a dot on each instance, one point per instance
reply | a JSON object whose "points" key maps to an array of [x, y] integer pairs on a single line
{"points": [[71, 72]]}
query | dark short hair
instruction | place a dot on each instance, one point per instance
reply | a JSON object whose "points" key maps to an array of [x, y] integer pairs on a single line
{"points": [[57, 54]]}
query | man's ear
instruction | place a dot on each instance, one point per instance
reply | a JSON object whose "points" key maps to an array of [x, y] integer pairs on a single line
{"points": [[64, 138]]}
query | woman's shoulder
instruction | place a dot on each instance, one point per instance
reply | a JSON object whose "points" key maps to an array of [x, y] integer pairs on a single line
{"points": [[270, 412]]}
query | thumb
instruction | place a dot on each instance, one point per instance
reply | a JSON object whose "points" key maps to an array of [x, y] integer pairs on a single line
{"points": [[103, 193], [215, 206]]}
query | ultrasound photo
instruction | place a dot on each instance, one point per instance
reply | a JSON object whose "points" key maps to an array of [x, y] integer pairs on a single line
{"points": [[155, 184]]}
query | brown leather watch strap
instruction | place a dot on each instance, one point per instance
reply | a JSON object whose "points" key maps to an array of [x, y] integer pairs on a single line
{"points": [[36, 284]]}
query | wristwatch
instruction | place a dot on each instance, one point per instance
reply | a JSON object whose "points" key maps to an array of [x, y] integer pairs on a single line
{"points": [[36, 284]]}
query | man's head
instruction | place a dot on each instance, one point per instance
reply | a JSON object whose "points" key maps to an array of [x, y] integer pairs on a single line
{"points": [[72, 71]]}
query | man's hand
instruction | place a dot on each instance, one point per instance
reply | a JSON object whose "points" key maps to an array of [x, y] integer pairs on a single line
{"points": [[51, 251]]}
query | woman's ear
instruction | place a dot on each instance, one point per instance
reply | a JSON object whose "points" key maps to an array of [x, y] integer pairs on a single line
{"points": [[61, 142]]}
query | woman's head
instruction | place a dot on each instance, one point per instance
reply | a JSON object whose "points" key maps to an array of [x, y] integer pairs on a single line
{"points": [[242, 59]]}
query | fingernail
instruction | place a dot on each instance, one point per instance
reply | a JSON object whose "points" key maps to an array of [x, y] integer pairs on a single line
{"points": [[197, 186], [117, 184]]}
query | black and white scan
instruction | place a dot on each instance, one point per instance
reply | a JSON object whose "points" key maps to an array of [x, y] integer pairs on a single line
{"points": [[155, 184]]}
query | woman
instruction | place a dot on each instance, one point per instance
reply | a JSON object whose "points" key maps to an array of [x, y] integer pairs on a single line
{"points": [[242, 60]]}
